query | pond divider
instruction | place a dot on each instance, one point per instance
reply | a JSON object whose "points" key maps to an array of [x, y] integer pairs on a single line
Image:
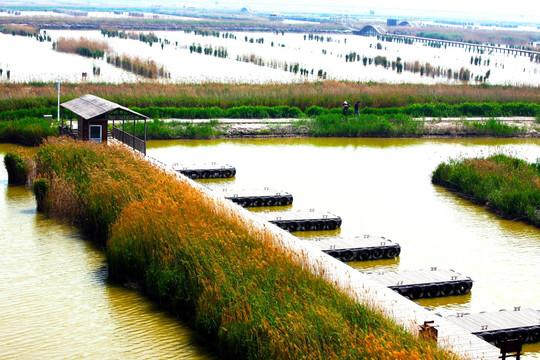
{"points": [[360, 286]]}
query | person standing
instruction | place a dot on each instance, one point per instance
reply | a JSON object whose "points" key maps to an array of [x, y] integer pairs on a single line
{"points": [[345, 108], [357, 108]]}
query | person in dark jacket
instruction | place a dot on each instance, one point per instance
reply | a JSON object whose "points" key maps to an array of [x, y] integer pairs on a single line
{"points": [[357, 108], [345, 108]]}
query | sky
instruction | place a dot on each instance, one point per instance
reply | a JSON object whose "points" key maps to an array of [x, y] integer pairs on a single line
{"points": [[507, 10]]}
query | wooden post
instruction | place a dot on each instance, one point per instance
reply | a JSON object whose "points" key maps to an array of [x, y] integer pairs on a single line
{"points": [[144, 136]]}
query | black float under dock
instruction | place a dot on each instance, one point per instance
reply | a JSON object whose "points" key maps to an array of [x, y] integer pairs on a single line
{"points": [[205, 171], [499, 326], [258, 198], [360, 248], [425, 283], [302, 220]]}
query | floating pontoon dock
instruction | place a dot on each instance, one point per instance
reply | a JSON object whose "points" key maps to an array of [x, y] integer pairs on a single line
{"points": [[360, 248], [257, 198], [302, 220], [205, 171], [496, 327], [425, 283]]}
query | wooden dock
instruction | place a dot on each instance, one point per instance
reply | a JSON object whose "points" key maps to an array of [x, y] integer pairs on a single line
{"points": [[205, 171], [302, 220], [425, 283], [258, 198], [496, 327], [359, 248]]}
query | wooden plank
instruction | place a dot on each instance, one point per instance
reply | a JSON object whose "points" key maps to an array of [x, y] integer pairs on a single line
{"points": [[200, 166], [358, 242], [408, 277], [500, 320]]}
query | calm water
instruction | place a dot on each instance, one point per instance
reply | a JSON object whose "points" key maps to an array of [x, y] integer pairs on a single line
{"points": [[383, 187], [56, 301], [290, 48]]}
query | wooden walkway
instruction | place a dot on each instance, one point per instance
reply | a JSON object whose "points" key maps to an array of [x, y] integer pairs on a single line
{"points": [[425, 283], [257, 198], [360, 248], [496, 327], [205, 171], [302, 220]]}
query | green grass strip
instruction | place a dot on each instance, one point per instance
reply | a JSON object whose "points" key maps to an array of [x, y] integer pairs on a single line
{"points": [[507, 185]]}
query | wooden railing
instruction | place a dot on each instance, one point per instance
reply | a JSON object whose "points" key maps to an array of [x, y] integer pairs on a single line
{"points": [[64, 130], [130, 140]]}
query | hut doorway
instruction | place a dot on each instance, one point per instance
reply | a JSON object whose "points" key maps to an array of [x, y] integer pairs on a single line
{"points": [[96, 133]]}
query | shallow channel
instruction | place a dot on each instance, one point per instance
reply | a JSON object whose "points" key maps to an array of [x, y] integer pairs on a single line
{"points": [[382, 187], [57, 303]]}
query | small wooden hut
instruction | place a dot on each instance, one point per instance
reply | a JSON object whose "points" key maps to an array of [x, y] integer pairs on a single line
{"points": [[93, 115]]}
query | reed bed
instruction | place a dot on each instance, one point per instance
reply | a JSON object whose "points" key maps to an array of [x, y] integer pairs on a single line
{"points": [[364, 126], [326, 94], [250, 298], [507, 185], [82, 46], [20, 29], [136, 65], [26, 131]]}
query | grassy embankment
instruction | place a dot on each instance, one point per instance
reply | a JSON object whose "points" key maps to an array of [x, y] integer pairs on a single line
{"points": [[240, 290], [381, 104], [507, 185]]}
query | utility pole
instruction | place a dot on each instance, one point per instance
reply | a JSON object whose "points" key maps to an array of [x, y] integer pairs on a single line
{"points": [[58, 89]]}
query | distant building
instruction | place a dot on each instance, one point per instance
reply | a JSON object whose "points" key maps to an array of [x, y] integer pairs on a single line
{"points": [[391, 22]]}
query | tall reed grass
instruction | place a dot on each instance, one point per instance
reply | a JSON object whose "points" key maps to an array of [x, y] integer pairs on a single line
{"points": [[327, 94], [17, 168], [241, 292], [26, 131], [19, 29], [507, 185], [82, 46]]}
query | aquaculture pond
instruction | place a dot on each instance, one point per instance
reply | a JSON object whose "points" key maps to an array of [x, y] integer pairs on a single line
{"points": [[57, 303], [383, 187]]}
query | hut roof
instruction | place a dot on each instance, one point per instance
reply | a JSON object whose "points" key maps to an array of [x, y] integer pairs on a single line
{"points": [[91, 106]]}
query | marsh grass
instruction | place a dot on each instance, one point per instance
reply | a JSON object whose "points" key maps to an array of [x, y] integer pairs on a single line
{"points": [[82, 46], [161, 130], [26, 131], [17, 168], [19, 29], [364, 126], [495, 128], [327, 94], [507, 185], [205, 262]]}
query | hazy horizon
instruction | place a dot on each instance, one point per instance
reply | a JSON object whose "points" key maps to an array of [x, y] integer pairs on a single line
{"points": [[522, 11]]}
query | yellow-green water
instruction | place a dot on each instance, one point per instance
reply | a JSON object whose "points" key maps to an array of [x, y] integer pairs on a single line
{"points": [[57, 303], [383, 187]]}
